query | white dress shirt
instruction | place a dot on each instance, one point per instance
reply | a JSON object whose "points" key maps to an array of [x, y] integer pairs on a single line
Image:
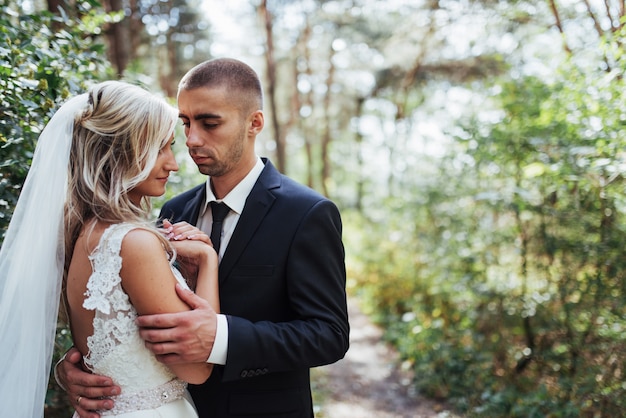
{"points": [[235, 200]]}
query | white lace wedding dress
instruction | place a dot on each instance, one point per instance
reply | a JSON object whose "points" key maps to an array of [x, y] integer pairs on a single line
{"points": [[149, 389]]}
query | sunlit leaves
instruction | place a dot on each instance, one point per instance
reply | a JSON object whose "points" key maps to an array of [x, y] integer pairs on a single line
{"points": [[39, 69], [513, 279]]}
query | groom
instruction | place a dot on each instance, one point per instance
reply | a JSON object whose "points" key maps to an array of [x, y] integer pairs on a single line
{"points": [[282, 271]]}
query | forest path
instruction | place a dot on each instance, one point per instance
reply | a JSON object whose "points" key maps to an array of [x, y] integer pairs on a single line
{"points": [[369, 381]]}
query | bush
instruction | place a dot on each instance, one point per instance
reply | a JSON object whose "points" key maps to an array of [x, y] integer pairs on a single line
{"points": [[44, 60], [502, 280]]}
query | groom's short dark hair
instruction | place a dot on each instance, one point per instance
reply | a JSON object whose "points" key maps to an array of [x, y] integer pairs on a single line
{"points": [[233, 74]]}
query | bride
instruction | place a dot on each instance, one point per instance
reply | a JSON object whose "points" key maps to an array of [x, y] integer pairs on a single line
{"points": [[81, 231]]}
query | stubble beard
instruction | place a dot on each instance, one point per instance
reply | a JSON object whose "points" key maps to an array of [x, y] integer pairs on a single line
{"points": [[221, 167]]}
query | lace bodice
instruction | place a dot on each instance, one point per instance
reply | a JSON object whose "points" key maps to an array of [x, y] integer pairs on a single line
{"points": [[115, 348]]}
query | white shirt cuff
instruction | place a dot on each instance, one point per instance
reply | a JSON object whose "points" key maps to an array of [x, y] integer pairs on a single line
{"points": [[220, 345]]}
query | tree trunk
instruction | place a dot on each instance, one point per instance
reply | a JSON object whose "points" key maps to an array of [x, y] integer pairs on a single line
{"points": [[168, 73], [303, 53], [360, 182], [327, 134], [118, 36], [53, 6], [271, 87]]}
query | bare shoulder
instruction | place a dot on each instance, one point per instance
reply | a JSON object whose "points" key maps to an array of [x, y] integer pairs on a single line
{"points": [[142, 253], [140, 242], [146, 275]]}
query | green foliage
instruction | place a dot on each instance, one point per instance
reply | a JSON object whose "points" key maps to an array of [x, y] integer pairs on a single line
{"points": [[502, 281], [44, 59], [57, 403]]}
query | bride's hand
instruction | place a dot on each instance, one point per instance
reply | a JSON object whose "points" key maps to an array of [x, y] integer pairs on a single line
{"points": [[193, 252], [191, 244], [181, 231]]}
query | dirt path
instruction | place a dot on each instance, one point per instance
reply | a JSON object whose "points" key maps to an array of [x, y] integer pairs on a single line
{"points": [[369, 382]]}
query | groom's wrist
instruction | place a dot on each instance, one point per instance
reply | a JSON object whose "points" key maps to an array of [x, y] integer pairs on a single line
{"points": [[220, 345]]}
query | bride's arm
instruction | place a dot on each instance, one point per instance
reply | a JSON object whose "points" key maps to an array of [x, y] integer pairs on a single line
{"points": [[150, 284], [205, 280]]}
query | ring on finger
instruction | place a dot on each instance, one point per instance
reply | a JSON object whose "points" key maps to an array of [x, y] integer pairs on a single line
{"points": [[78, 400]]}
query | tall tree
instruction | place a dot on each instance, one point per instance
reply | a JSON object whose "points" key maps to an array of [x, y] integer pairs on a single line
{"points": [[118, 35], [271, 75]]}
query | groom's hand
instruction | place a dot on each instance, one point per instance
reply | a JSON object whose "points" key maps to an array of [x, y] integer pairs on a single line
{"points": [[183, 337], [85, 390]]}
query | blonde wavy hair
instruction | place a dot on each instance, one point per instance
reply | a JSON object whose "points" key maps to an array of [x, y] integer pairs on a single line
{"points": [[115, 145]]}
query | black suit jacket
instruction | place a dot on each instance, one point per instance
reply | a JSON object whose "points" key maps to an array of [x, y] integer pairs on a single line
{"points": [[282, 286]]}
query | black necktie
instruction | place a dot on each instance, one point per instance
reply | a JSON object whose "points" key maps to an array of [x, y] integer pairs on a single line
{"points": [[219, 210]]}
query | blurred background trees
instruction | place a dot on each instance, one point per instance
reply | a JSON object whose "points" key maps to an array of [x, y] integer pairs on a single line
{"points": [[475, 148]]}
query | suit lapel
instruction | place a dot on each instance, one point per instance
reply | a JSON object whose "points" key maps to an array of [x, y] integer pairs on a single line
{"points": [[257, 205], [193, 206]]}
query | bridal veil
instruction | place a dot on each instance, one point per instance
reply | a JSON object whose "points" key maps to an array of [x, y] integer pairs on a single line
{"points": [[31, 270]]}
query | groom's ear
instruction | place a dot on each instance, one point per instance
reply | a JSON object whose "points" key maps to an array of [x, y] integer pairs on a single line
{"points": [[256, 122]]}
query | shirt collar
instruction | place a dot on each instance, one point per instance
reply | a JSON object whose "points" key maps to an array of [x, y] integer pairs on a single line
{"points": [[236, 198]]}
